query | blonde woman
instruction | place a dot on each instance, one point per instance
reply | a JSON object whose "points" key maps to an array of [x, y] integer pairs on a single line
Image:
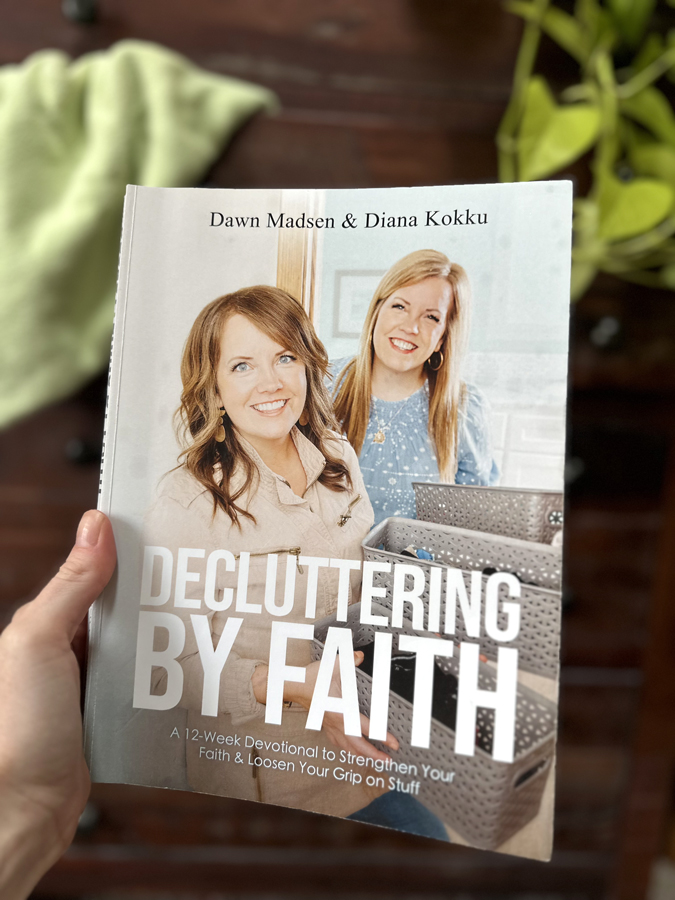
{"points": [[264, 471], [401, 400]]}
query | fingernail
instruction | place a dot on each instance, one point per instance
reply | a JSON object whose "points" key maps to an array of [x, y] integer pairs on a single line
{"points": [[89, 529]]}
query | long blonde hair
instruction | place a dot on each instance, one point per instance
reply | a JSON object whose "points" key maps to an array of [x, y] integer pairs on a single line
{"points": [[198, 418], [352, 394]]}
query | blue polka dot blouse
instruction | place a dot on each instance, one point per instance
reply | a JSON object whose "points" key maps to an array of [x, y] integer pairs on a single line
{"points": [[389, 467]]}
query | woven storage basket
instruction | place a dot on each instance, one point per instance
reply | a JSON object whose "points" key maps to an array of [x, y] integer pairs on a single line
{"points": [[539, 638], [525, 514], [487, 802]]}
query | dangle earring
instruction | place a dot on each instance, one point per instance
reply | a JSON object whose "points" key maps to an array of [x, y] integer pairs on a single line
{"points": [[440, 363], [220, 430]]}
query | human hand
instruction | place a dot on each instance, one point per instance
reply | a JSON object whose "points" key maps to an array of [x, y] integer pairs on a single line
{"points": [[44, 781], [333, 723]]}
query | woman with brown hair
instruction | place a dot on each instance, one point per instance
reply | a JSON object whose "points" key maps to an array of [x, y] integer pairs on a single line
{"points": [[264, 475], [401, 400]]}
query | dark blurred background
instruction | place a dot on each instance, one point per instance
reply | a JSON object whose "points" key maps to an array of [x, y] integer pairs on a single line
{"points": [[379, 93]]}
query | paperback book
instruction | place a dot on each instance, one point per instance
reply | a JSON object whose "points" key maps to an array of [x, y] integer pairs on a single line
{"points": [[333, 463]]}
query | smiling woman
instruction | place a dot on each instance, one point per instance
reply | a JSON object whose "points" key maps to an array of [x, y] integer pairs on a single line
{"points": [[263, 473], [401, 401], [263, 395]]}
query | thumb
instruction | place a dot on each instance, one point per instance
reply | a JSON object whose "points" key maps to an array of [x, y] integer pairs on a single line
{"points": [[63, 603]]}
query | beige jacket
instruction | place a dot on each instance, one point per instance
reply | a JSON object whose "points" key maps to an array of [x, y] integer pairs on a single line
{"points": [[322, 523]]}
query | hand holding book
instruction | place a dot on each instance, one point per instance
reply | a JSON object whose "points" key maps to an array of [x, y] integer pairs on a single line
{"points": [[44, 781]]}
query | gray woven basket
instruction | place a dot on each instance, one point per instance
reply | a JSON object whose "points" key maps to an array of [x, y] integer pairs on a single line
{"points": [[487, 802], [525, 514], [539, 638]]}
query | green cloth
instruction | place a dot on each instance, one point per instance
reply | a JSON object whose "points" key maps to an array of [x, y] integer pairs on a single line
{"points": [[72, 136]]}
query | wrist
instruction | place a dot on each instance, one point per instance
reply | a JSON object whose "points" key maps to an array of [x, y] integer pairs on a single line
{"points": [[299, 692], [29, 845], [259, 683], [294, 691]]}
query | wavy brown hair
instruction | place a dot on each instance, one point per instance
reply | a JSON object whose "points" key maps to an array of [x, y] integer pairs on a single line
{"points": [[198, 417], [447, 391]]}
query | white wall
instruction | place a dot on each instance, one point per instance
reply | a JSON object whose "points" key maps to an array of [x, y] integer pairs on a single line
{"points": [[518, 266]]}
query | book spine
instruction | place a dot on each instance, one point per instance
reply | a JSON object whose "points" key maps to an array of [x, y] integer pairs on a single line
{"points": [[108, 450]]}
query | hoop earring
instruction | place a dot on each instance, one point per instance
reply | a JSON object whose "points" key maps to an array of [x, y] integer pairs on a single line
{"points": [[220, 430], [442, 360]]}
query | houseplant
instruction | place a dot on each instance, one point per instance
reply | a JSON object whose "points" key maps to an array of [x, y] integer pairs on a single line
{"points": [[615, 120]]}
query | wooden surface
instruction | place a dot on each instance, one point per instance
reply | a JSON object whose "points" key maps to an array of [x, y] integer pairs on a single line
{"points": [[394, 92]]}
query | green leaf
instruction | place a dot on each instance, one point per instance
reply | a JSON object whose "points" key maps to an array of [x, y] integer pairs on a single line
{"points": [[552, 136], [589, 13], [652, 47], [632, 18], [558, 25], [656, 160], [585, 219], [583, 274], [653, 111], [596, 22], [668, 272], [567, 32], [670, 41], [527, 11], [631, 208], [632, 135]]}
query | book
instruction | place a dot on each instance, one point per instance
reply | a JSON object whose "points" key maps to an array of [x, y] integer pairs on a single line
{"points": [[333, 462]]}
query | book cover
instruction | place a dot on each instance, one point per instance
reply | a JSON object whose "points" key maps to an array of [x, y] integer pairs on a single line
{"points": [[333, 462]]}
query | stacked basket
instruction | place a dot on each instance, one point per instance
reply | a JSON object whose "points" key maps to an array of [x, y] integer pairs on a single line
{"points": [[486, 530], [487, 801], [537, 565], [525, 514]]}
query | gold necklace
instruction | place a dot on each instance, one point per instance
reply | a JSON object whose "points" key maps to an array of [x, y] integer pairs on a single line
{"points": [[380, 436]]}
